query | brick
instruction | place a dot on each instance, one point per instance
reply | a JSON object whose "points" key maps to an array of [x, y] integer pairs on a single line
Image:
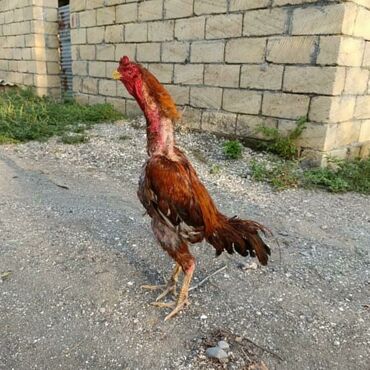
{"points": [[265, 22], [222, 75], [77, 5], [132, 109], [223, 26], [150, 10], [347, 133], [87, 52], [87, 18], [78, 36], [362, 25], [180, 94], [105, 52], [97, 69], [206, 97], [96, 99], [136, 32], [126, 13], [190, 28], [93, 4], [161, 31], [329, 50], [118, 104], [207, 52], [50, 14], [210, 7], [189, 74], [366, 59], [114, 34], [106, 16], [219, 122], [317, 80], [149, 52], [245, 50], [191, 118], [90, 85], [262, 76], [112, 2], [332, 109], [356, 81], [178, 8], [285, 105], [248, 125], [351, 51], [318, 20], [95, 35], [291, 50], [241, 101], [79, 68], [109, 68], [291, 2], [125, 49], [362, 109], [107, 87], [248, 4], [175, 51], [163, 72], [364, 131]]}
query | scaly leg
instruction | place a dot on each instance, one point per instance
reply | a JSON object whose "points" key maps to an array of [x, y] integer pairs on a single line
{"points": [[182, 299], [169, 287]]}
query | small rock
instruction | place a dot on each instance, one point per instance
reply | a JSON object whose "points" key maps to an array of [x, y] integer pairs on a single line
{"points": [[337, 343], [216, 352], [223, 345], [203, 317]]}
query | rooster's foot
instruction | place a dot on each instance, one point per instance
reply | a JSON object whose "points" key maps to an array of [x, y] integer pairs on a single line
{"points": [[179, 306]]}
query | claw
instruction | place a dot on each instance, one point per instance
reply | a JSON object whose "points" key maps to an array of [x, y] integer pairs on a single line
{"points": [[163, 304], [177, 309]]}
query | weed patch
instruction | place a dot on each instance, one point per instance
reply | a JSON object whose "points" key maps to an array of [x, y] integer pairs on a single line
{"points": [[232, 149]]}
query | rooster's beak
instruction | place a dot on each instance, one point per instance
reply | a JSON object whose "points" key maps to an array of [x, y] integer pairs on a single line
{"points": [[116, 75]]}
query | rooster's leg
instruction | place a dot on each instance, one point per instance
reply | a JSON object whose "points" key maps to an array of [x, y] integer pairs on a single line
{"points": [[169, 287], [182, 299]]}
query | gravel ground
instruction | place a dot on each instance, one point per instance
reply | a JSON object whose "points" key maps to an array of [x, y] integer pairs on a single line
{"points": [[75, 249]]}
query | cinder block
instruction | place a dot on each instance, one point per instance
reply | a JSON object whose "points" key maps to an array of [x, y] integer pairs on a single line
{"points": [[265, 22], [176, 51], [87, 18], [105, 52], [161, 31], [95, 35], [149, 52], [78, 36], [219, 122], [356, 81], [97, 69], [207, 51], [79, 68], [206, 97], [237, 5], [366, 59], [150, 10], [222, 75], [362, 109], [77, 5], [365, 131], [317, 80], [90, 85], [285, 105], [242, 101], [190, 28], [224, 26], [87, 52], [191, 118], [245, 50], [362, 25], [125, 49], [162, 71], [178, 8], [291, 50], [107, 87], [332, 109], [248, 125], [262, 76], [189, 74], [210, 7], [114, 34], [180, 94], [126, 13], [106, 16]]}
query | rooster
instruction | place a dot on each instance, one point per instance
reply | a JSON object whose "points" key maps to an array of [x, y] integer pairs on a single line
{"points": [[181, 210]]}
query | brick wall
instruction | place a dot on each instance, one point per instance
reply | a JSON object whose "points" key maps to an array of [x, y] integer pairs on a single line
{"points": [[29, 44]]}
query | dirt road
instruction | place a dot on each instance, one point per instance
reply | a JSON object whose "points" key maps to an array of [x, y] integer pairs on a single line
{"points": [[75, 248]]}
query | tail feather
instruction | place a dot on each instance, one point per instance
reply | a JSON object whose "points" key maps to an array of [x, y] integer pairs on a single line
{"points": [[242, 236]]}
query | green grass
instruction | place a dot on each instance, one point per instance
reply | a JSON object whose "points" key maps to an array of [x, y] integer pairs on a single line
{"points": [[232, 149], [25, 116], [345, 175], [74, 139], [283, 146]]}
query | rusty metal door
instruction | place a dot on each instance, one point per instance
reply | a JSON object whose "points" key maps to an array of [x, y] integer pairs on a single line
{"points": [[65, 50]]}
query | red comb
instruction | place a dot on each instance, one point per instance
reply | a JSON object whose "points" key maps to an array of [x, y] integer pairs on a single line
{"points": [[124, 60]]}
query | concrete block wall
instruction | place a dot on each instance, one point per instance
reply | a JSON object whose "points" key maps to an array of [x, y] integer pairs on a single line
{"points": [[29, 44]]}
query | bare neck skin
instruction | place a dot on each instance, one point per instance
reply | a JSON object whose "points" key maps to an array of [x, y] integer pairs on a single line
{"points": [[160, 138]]}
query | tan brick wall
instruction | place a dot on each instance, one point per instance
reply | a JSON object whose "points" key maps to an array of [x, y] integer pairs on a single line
{"points": [[232, 65], [29, 44]]}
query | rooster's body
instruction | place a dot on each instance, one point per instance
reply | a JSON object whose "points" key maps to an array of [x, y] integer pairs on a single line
{"points": [[179, 205]]}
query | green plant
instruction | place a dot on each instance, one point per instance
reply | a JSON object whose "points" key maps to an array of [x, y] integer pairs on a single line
{"points": [[232, 149], [25, 116], [7, 140], [124, 137], [215, 169], [74, 139], [283, 146]]}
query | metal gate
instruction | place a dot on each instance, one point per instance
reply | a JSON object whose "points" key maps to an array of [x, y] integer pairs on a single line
{"points": [[65, 50]]}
